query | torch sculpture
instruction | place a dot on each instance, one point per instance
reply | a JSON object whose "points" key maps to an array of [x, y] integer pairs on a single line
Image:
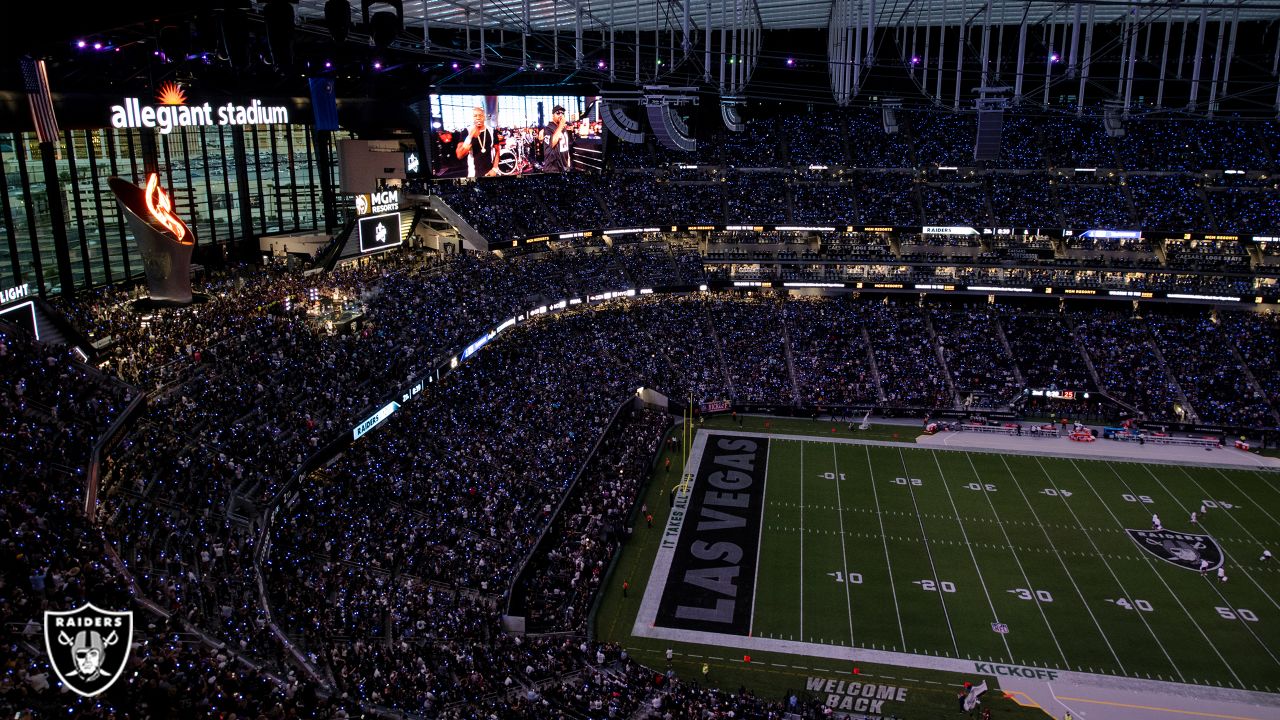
{"points": [[164, 240]]}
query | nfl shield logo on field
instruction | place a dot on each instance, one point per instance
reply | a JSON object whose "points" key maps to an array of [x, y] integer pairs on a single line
{"points": [[88, 647], [1185, 550]]}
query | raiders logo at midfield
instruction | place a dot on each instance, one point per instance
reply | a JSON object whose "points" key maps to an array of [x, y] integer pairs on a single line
{"points": [[88, 647], [1185, 550]]}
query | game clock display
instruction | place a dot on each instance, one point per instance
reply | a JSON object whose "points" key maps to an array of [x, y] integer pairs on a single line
{"points": [[379, 232]]}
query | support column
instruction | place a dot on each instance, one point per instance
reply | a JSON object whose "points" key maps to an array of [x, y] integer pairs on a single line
{"points": [[871, 35], [1275, 58], [942, 51], [1182, 47], [924, 60], [1048, 63], [1195, 67], [857, 48], [986, 43], [1086, 60], [58, 216], [1164, 62], [1231, 50], [248, 239], [723, 40], [1072, 62], [686, 43], [1133, 53], [964, 11], [577, 35], [1217, 65], [637, 48], [999, 63], [1022, 56], [1126, 28], [706, 55]]}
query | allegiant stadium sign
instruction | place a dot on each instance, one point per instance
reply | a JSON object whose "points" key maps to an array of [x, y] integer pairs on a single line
{"points": [[133, 114]]}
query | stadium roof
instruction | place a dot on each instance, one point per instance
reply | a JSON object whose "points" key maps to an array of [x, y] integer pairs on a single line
{"points": [[791, 14]]}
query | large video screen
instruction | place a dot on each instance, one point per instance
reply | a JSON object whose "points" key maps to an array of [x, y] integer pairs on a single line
{"points": [[475, 136]]}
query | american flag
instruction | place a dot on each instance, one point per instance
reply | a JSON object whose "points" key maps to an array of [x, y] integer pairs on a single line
{"points": [[35, 80]]}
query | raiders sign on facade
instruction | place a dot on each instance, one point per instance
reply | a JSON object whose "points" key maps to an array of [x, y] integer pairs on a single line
{"points": [[1185, 550], [88, 647]]}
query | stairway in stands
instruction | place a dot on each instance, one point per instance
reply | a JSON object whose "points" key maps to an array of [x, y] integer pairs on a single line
{"points": [[1173, 379], [791, 363], [942, 361]]}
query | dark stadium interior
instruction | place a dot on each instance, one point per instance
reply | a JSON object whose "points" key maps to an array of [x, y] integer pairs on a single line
{"points": [[330, 485]]}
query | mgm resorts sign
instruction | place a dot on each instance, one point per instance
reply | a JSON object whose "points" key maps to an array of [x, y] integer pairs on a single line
{"points": [[173, 112], [379, 202]]}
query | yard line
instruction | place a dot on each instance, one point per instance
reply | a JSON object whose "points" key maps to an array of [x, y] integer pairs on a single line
{"points": [[994, 615], [802, 443], [1063, 563], [1228, 513], [929, 553], [875, 496], [1227, 555], [1160, 577], [1242, 492], [844, 558], [764, 508], [1017, 560]]}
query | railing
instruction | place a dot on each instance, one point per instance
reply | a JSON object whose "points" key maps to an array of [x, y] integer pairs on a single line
{"points": [[94, 473]]}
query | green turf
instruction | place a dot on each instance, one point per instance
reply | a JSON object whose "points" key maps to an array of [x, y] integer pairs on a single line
{"points": [[989, 524], [986, 544]]}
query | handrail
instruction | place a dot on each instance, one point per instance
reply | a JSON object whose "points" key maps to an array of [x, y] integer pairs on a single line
{"points": [[93, 473], [328, 258]]}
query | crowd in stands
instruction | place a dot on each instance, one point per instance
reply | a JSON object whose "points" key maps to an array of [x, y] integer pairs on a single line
{"points": [[831, 353], [979, 362], [363, 561]]}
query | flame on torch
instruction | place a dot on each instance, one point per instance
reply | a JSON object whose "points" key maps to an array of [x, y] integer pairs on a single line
{"points": [[161, 208]]}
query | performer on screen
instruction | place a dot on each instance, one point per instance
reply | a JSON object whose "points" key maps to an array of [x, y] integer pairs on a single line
{"points": [[480, 148], [556, 136]]}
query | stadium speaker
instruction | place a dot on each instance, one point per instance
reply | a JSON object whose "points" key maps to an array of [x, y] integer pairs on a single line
{"points": [[732, 119], [889, 119], [386, 25], [620, 124], [280, 21], [337, 17], [233, 26], [1113, 120], [990, 130], [670, 129]]}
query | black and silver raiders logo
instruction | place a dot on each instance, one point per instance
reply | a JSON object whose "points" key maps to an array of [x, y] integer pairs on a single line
{"points": [[88, 647], [1186, 550]]}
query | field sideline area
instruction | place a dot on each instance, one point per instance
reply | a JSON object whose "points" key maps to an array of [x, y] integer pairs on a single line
{"points": [[1028, 569]]}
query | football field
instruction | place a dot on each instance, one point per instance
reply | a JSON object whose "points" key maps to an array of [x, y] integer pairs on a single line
{"points": [[1002, 561]]}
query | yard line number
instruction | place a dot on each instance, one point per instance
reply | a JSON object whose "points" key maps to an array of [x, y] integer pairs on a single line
{"points": [[1137, 604], [1028, 594], [1242, 613], [914, 482], [853, 577], [932, 586]]}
